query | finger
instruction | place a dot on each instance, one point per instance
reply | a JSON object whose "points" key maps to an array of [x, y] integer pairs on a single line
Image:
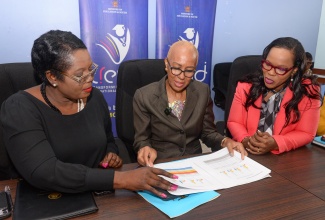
{"points": [[251, 151], [243, 152], [112, 160], [147, 158], [157, 193], [141, 158], [253, 148], [162, 172], [104, 164], [153, 156], [230, 150]]}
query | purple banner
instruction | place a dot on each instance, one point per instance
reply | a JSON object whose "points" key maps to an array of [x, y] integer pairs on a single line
{"points": [[113, 31], [191, 21]]}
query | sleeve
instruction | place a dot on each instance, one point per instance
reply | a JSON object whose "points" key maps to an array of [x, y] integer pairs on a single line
{"points": [[236, 118], [141, 120], [34, 158], [321, 124], [305, 129], [210, 137]]}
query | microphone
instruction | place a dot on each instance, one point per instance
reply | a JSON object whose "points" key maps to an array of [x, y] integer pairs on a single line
{"points": [[168, 110]]}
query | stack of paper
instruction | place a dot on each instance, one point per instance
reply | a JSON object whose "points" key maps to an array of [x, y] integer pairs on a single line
{"points": [[214, 171], [198, 177]]}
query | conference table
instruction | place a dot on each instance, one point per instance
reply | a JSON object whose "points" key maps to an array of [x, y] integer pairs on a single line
{"points": [[295, 190]]}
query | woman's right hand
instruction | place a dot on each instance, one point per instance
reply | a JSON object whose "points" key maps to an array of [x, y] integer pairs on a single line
{"points": [[146, 156], [144, 178]]}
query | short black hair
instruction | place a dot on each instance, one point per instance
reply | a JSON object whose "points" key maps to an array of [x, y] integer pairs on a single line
{"points": [[52, 51]]}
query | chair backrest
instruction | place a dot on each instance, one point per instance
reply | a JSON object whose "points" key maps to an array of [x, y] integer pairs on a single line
{"points": [[13, 77], [221, 73], [133, 74], [240, 67]]}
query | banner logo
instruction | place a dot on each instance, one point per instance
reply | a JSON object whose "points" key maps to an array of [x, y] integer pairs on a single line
{"points": [[116, 47], [191, 36]]}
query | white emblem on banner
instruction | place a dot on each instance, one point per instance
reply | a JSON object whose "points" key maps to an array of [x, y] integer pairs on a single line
{"points": [[120, 44], [191, 36]]}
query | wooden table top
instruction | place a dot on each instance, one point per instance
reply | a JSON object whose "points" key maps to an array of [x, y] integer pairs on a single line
{"points": [[296, 190]]}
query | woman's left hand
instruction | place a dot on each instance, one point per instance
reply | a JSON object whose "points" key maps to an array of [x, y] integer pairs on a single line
{"points": [[261, 143], [111, 160], [237, 146]]}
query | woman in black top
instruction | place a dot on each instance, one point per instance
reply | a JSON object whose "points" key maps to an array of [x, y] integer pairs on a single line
{"points": [[58, 134]]}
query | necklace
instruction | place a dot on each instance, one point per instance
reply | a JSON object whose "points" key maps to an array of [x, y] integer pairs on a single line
{"points": [[81, 104], [43, 92]]}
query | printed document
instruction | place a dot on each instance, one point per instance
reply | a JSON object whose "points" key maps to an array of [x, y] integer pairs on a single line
{"points": [[214, 171]]}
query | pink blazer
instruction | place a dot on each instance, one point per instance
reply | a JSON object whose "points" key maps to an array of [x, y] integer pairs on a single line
{"points": [[242, 123]]}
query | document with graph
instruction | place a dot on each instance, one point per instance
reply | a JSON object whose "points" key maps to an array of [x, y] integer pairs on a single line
{"points": [[214, 171]]}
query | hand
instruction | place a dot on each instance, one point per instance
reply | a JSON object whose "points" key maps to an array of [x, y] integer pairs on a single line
{"points": [[111, 160], [261, 143], [145, 178], [146, 156], [237, 146]]}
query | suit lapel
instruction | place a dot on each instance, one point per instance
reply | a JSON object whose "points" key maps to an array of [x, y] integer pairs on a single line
{"points": [[253, 117], [192, 96], [161, 103]]}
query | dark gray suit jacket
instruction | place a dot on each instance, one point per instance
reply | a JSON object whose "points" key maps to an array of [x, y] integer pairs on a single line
{"points": [[164, 132]]}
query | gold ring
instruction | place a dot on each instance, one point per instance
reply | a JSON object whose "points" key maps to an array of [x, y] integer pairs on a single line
{"points": [[258, 150]]}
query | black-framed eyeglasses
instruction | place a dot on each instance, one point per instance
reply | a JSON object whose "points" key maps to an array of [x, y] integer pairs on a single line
{"points": [[278, 70], [177, 71], [83, 79]]}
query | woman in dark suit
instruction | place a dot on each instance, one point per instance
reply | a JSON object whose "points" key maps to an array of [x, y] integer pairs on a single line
{"points": [[172, 115]]}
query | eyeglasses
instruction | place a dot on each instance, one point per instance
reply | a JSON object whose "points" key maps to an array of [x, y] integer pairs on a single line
{"points": [[83, 79], [278, 70], [177, 71]]}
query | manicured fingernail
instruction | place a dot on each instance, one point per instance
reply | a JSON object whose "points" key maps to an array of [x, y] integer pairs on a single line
{"points": [[173, 187], [163, 195], [175, 176], [105, 165]]}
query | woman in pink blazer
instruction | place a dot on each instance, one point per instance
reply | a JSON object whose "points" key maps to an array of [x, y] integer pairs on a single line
{"points": [[276, 108]]}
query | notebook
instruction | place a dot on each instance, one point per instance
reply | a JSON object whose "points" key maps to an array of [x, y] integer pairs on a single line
{"points": [[33, 203], [317, 140]]}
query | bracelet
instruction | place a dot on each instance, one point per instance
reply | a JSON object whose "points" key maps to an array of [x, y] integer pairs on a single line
{"points": [[223, 141]]}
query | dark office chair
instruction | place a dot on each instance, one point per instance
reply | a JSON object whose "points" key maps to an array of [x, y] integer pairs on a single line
{"points": [[133, 74], [13, 77], [221, 73], [241, 66]]}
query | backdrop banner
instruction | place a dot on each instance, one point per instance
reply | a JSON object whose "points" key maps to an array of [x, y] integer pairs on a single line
{"points": [[191, 21], [113, 31]]}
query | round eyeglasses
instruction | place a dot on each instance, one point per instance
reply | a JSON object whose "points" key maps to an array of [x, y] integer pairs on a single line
{"points": [[177, 71], [278, 70], [83, 79]]}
